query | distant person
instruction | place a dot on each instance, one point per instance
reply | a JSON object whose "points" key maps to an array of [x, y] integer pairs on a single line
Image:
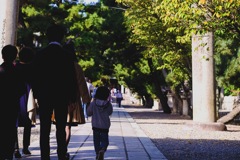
{"points": [[54, 88], [113, 97], [119, 98], [100, 109], [89, 85], [27, 105], [10, 93], [90, 89], [94, 91]]}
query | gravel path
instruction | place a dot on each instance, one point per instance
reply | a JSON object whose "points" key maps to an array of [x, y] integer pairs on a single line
{"points": [[170, 135]]}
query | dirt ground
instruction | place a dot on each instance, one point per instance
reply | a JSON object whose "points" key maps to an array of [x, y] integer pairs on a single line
{"points": [[171, 136]]}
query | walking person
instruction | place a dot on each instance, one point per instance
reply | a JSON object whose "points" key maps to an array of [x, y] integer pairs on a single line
{"points": [[94, 91], [90, 90], [100, 109], [10, 93], [119, 98], [54, 87], [27, 105], [75, 112]]}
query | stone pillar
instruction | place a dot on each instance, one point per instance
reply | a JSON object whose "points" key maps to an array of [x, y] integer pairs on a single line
{"points": [[203, 78], [185, 105], [157, 105], [8, 22]]}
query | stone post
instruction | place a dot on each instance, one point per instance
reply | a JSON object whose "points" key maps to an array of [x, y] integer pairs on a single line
{"points": [[203, 78], [8, 22], [185, 105], [157, 105]]}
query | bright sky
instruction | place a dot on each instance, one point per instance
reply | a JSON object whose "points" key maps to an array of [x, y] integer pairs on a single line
{"points": [[90, 1]]}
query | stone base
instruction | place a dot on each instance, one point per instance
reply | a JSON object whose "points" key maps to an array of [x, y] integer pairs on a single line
{"points": [[156, 105], [214, 126]]}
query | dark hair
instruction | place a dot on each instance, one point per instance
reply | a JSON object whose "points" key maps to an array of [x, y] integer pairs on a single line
{"points": [[56, 33], [102, 93], [26, 54], [71, 49], [9, 53]]}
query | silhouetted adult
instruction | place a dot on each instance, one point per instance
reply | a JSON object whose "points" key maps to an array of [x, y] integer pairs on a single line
{"points": [[10, 92], [24, 66], [75, 111], [54, 87]]}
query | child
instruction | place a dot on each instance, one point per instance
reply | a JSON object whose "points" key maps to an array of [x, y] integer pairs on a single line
{"points": [[100, 109]]}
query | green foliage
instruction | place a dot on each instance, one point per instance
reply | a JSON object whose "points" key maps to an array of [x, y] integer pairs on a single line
{"points": [[118, 38], [165, 28], [227, 64], [169, 53], [196, 16], [96, 30], [121, 72], [86, 64]]}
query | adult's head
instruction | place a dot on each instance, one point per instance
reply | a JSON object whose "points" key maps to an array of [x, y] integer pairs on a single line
{"points": [[9, 53], [26, 55], [56, 33], [86, 79], [102, 93]]}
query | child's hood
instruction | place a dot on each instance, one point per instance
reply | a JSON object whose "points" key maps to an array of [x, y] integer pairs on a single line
{"points": [[101, 103]]}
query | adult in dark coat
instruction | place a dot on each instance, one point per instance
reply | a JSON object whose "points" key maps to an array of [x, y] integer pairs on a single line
{"points": [[24, 67], [10, 92], [54, 87]]}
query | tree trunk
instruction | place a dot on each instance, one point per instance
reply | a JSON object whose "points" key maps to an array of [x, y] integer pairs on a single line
{"points": [[157, 85], [177, 103], [230, 116], [149, 101]]}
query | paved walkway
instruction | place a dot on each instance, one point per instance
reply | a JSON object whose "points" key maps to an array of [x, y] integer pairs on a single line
{"points": [[127, 141]]}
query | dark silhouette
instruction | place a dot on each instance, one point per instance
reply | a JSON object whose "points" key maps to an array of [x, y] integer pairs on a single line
{"points": [[24, 67], [54, 87], [75, 112], [10, 92]]}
